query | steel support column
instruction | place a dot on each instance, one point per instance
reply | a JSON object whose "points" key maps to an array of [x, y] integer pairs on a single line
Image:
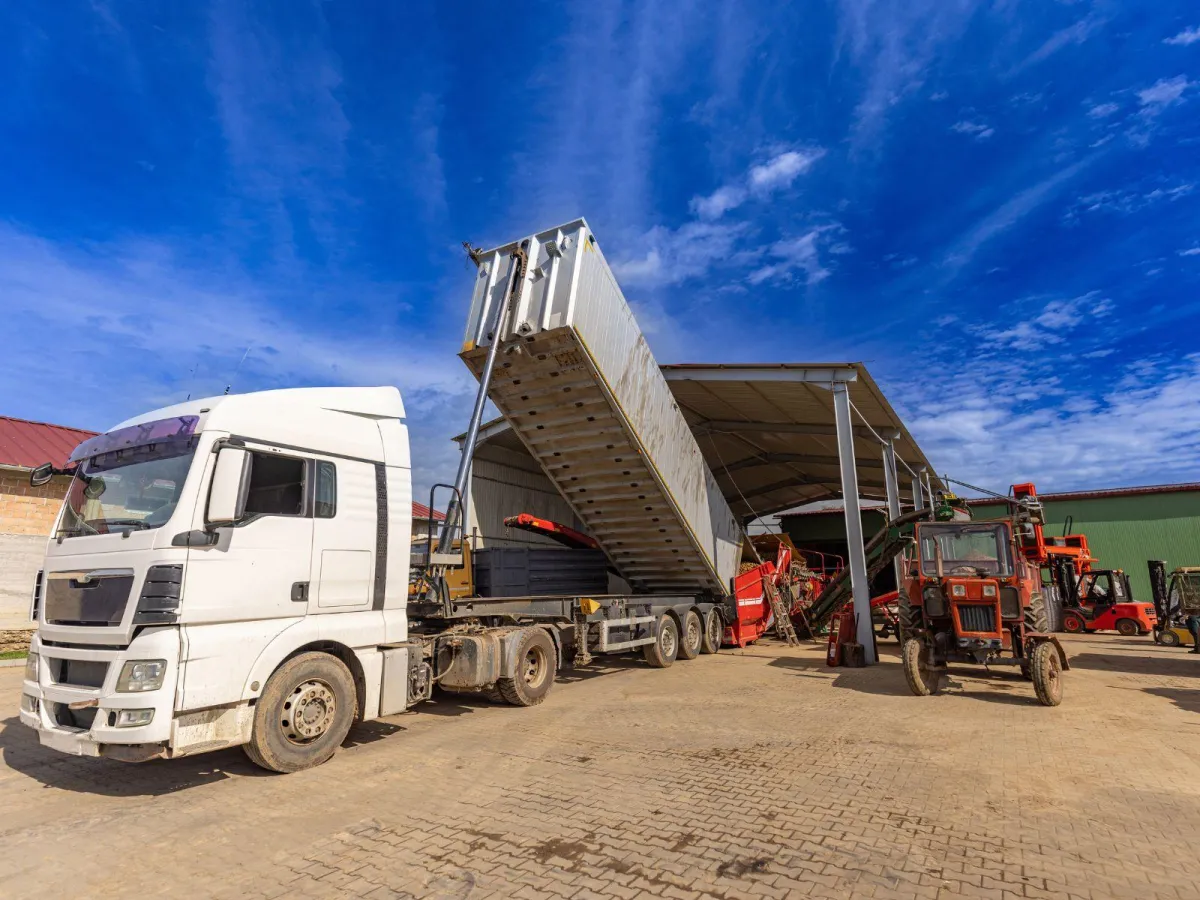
{"points": [[856, 557], [918, 490]]}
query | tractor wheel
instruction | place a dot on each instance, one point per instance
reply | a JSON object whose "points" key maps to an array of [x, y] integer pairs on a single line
{"points": [[908, 618], [714, 631], [923, 679], [1168, 638], [1046, 669], [1128, 627], [1036, 619], [692, 636], [1073, 624]]}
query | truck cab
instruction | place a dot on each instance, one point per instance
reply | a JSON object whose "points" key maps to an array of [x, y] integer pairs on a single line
{"points": [[204, 546]]}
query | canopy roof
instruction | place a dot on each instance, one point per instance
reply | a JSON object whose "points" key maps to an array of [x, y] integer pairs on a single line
{"points": [[769, 436]]}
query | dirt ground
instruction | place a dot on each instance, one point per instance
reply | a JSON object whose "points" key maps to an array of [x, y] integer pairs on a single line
{"points": [[749, 774]]}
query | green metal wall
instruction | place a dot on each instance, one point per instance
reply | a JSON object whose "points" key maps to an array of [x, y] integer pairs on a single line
{"points": [[1124, 532]]}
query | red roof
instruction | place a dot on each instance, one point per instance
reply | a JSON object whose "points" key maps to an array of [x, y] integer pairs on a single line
{"points": [[421, 511], [27, 444]]}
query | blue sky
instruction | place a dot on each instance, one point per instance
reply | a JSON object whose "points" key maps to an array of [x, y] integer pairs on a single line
{"points": [[993, 204]]}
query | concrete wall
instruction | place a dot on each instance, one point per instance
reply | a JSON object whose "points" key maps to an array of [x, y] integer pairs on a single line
{"points": [[20, 558]]}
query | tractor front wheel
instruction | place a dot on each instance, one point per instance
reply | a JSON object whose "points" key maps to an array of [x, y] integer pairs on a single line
{"points": [[1046, 669], [923, 678]]}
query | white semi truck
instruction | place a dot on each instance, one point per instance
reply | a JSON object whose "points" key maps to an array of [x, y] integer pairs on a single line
{"points": [[236, 570]]}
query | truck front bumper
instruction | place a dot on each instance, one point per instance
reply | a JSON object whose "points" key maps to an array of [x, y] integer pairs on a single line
{"points": [[74, 706]]}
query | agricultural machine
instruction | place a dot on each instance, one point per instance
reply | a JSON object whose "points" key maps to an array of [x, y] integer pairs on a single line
{"points": [[971, 595], [1176, 601]]}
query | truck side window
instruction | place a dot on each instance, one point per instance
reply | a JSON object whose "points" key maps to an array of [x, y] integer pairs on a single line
{"points": [[326, 498], [276, 486]]}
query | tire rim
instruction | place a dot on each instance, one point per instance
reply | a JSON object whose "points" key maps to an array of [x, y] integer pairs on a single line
{"points": [[667, 642], [693, 633], [535, 666], [308, 712]]}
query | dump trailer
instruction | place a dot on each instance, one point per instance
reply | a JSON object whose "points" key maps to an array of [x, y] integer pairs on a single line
{"points": [[238, 570], [575, 378]]}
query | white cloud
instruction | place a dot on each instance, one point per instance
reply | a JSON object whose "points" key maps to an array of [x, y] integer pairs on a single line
{"points": [[781, 170], [1125, 202], [1163, 93], [1032, 329], [1077, 34], [794, 255], [977, 130], [1184, 38], [719, 202], [671, 256], [1190, 251], [1103, 110]]}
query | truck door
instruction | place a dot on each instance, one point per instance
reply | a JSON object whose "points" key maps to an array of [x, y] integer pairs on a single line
{"points": [[345, 535]]}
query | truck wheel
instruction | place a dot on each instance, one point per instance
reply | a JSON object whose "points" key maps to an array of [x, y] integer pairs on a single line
{"points": [[923, 679], [1072, 624], [1168, 638], [692, 637], [303, 714], [662, 652], [1128, 627], [537, 664], [1046, 669], [714, 630], [1036, 618]]}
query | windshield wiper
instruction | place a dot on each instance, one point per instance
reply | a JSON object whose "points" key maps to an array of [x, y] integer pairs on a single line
{"points": [[131, 524]]}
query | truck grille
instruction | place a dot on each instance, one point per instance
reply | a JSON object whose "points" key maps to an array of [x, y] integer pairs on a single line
{"points": [[86, 598], [977, 618], [81, 672]]}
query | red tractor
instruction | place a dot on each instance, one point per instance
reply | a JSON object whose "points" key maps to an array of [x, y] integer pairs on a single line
{"points": [[970, 596]]}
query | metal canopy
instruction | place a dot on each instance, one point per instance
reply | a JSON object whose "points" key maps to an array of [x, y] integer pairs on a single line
{"points": [[768, 431]]}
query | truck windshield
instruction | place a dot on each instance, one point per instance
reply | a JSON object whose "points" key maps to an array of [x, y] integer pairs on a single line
{"points": [[127, 490], [965, 549]]}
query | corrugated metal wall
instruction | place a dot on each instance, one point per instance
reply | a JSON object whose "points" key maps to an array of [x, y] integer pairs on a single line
{"points": [[499, 490], [1124, 532]]}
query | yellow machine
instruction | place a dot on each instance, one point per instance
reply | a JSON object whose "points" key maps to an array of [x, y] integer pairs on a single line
{"points": [[1175, 599]]}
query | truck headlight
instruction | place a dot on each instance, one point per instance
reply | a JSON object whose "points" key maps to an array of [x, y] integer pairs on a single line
{"points": [[141, 675], [31, 667], [131, 718]]}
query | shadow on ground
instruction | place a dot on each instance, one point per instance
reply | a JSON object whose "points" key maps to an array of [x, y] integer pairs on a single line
{"points": [[1189, 701], [1170, 662]]}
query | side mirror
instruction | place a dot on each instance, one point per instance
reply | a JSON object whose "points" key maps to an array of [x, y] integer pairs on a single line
{"points": [[230, 482], [41, 475]]}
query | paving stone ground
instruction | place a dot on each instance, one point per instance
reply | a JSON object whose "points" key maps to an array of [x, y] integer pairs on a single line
{"points": [[749, 774]]}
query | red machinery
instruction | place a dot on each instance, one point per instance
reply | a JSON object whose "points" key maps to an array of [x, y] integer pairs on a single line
{"points": [[1093, 599], [754, 616], [568, 537]]}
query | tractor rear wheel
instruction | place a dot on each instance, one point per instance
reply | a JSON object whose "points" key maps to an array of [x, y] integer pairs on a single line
{"points": [[1036, 618], [908, 618], [923, 679], [1046, 669], [1128, 627]]}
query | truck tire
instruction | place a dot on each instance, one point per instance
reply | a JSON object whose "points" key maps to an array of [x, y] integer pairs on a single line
{"points": [[922, 679], [303, 715], [1036, 619], [663, 651], [1128, 627], [714, 631], [692, 637], [537, 664], [1046, 669]]}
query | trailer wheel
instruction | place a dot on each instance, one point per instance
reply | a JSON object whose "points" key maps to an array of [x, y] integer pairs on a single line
{"points": [[714, 630], [1046, 669], [923, 679], [663, 651], [1168, 638], [537, 664], [303, 715], [1128, 627], [692, 637]]}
